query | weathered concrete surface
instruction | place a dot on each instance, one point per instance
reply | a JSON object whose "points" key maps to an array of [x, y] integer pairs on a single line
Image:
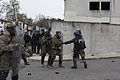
{"points": [[78, 11], [106, 69], [101, 39]]}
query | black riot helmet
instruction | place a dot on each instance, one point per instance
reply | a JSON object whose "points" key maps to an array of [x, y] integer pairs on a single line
{"points": [[42, 30], [76, 33]]}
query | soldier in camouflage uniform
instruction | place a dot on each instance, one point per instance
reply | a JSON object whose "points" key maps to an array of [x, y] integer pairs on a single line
{"points": [[46, 48], [57, 48], [7, 44]]}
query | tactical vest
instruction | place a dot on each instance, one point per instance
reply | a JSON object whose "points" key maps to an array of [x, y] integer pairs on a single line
{"points": [[79, 44]]}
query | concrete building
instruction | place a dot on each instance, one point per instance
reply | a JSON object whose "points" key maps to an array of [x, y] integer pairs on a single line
{"points": [[102, 40], [99, 11]]}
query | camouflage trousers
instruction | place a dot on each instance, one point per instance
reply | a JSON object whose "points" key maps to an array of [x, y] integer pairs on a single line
{"points": [[57, 53], [5, 60], [76, 54], [43, 54], [5, 64]]}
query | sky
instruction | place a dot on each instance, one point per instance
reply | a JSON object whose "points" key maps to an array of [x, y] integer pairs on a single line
{"points": [[52, 8]]}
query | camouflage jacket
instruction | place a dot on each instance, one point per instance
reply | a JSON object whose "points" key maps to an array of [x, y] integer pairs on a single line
{"points": [[56, 43], [46, 44], [6, 52], [4, 40]]}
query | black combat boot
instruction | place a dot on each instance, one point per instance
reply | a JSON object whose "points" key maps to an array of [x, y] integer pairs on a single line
{"points": [[75, 64], [27, 63], [60, 62], [74, 67], [61, 66], [84, 61], [50, 62]]}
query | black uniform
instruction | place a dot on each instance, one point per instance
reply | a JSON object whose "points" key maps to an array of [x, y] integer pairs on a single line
{"points": [[79, 46], [33, 42], [38, 42]]}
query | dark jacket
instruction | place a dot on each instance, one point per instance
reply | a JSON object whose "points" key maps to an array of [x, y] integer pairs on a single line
{"points": [[33, 40], [38, 38], [27, 38], [78, 41]]}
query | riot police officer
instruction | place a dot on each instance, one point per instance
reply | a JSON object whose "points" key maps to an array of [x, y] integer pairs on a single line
{"points": [[38, 41], [33, 42], [79, 46]]}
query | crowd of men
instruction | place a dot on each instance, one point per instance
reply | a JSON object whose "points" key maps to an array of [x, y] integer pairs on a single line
{"points": [[15, 43]]}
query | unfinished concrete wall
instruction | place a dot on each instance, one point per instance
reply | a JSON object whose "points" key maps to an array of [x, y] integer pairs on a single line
{"points": [[100, 38], [78, 10]]}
